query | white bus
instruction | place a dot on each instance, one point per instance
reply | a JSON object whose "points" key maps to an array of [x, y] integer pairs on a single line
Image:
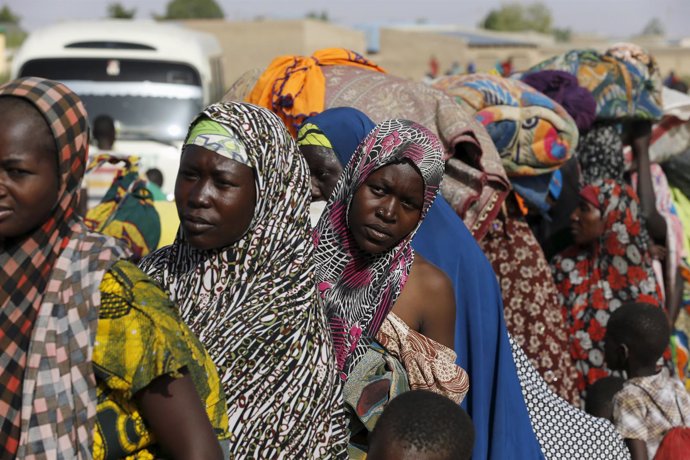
{"points": [[151, 78]]}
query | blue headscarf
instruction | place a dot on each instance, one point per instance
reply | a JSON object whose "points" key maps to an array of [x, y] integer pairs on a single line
{"points": [[494, 402]]}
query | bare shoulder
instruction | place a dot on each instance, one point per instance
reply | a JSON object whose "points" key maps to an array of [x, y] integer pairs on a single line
{"points": [[427, 277]]}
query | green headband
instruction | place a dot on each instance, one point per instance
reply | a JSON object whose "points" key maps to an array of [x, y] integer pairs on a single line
{"points": [[218, 138], [310, 134]]}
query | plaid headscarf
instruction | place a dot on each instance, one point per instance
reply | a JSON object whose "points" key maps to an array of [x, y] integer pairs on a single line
{"points": [[49, 289]]}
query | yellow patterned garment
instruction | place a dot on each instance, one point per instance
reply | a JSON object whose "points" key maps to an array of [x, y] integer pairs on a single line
{"points": [[141, 337]]}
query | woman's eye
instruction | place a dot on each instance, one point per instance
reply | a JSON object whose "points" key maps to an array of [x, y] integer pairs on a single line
{"points": [[18, 172], [188, 174], [410, 205], [377, 190]]}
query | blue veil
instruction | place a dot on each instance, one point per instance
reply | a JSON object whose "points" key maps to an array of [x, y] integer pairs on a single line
{"points": [[494, 402]]}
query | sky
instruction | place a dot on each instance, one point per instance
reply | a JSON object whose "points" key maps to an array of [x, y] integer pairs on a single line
{"points": [[609, 18]]}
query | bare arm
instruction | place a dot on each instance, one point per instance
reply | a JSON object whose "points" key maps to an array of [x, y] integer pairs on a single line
{"points": [[675, 298], [640, 135], [637, 448], [427, 303], [174, 412]]}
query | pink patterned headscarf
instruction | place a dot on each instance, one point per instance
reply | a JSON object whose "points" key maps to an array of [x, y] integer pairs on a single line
{"points": [[358, 290]]}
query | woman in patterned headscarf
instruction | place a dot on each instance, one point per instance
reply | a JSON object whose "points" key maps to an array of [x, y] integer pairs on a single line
{"points": [[609, 264], [328, 141], [84, 334], [242, 270]]}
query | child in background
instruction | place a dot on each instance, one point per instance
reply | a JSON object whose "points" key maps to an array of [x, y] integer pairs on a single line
{"points": [[422, 425], [650, 403], [599, 401]]}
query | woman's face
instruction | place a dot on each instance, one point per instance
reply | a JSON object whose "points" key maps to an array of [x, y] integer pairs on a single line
{"points": [[215, 197], [29, 180], [324, 169], [386, 207], [586, 223]]}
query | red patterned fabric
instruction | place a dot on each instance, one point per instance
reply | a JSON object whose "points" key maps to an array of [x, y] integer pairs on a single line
{"points": [[531, 306], [594, 281]]}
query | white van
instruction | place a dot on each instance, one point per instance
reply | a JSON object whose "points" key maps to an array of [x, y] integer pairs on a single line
{"points": [[152, 78]]}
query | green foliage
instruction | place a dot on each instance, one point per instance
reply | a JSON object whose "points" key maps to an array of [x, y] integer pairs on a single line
{"points": [[515, 17], [561, 35], [322, 16], [654, 27], [118, 11], [193, 9], [8, 17]]}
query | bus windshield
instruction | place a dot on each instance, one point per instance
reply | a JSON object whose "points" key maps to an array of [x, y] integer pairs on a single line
{"points": [[148, 100]]}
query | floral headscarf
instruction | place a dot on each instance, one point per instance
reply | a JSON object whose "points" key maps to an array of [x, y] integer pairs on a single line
{"points": [[358, 290], [253, 303], [593, 282]]}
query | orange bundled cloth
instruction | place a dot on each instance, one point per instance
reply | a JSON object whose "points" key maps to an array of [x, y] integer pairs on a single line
{"points": [[294, 87]]}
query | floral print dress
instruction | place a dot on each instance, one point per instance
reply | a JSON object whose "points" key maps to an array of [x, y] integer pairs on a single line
{"points": [[594, 281]]}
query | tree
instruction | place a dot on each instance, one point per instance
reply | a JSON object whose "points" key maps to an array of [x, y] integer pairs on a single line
{"points": [[118, 11], [514, 17], [193, 9], [322, 16], [654, 27], [8, 17]]}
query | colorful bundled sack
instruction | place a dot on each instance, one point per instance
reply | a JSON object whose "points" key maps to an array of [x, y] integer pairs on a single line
{"points": [[625, 81], [294, 87], [126, 211], [533, 134]]}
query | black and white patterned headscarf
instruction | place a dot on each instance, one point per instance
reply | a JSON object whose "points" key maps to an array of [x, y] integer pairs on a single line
{"points": [[253, 304]]}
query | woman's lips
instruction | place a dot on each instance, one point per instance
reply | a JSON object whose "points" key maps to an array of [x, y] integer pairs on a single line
{"points": [[376, 233], [195, 224], [5, 213]]}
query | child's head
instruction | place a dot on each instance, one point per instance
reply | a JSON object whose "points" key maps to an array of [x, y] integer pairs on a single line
{"points": [[420, 424], [599, 402], [636, 332]]}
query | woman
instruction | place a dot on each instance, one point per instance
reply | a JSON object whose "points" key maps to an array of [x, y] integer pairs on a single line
{"points": [[84, 334], [328, 141], [609, 264], [364, 260], [242, 271]]}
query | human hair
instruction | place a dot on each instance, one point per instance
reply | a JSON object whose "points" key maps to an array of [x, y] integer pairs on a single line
{"points": [[104, 130], [599, 400], [420, 423], [23, 108], [155, 175], [643, 328]]}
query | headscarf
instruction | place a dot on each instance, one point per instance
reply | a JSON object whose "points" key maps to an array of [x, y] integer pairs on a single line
{"points": [[593, 282], [564, 88], [600, 154], [294, 87], [533, 134], [481, 343], [253, 303], [342, 128], [624, 84], [358, 290], [49, 298]]}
